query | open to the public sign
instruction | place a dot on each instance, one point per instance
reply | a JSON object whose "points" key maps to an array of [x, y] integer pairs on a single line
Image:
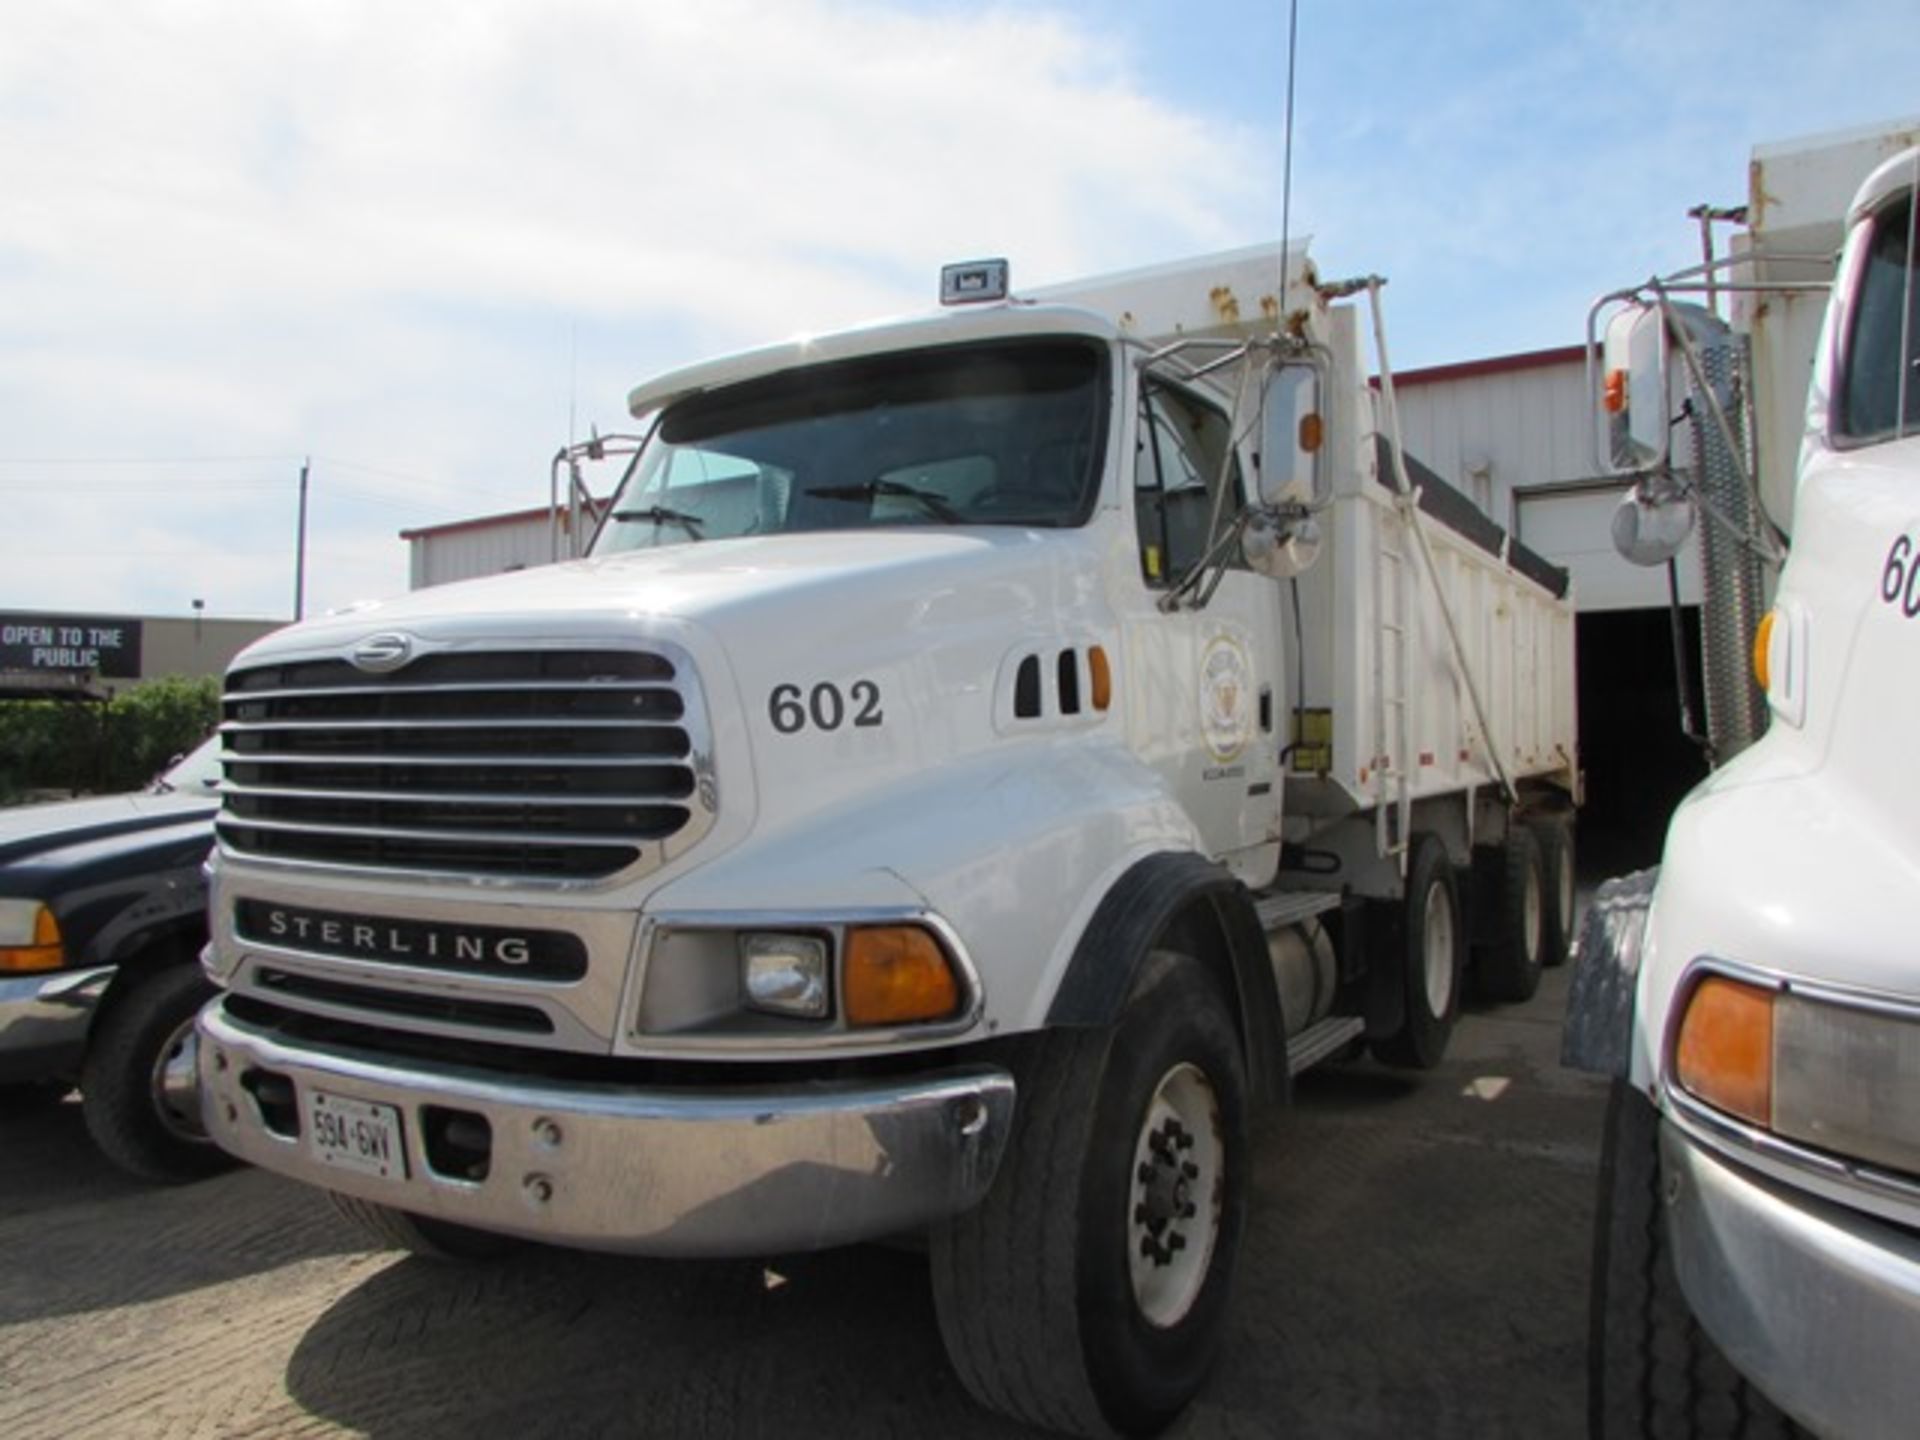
{"points": [[357, 1135]]}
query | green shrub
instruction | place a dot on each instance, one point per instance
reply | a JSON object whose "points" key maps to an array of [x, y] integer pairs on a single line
{"points": [[121, 745]]}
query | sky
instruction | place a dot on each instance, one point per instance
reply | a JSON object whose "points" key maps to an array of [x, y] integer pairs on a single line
{"points": [[422, 245]]}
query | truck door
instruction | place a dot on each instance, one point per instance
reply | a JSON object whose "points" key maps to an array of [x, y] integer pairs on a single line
{"points": [[1213, 676]]}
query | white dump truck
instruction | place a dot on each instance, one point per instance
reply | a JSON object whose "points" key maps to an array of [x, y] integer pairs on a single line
{"points": [[1757, 998], [945, 800]]}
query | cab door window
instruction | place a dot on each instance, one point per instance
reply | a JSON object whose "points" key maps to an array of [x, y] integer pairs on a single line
{"points": [[1879, 395], [1177, 470]]}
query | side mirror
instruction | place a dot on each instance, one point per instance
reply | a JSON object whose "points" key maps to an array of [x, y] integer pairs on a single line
{"points": [[1634, 388], [1292, 435]]}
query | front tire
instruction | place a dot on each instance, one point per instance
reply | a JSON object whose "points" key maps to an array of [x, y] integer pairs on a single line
{"points": [[1088, 1292], [1651, 1369], [139, 1091], [1429, 950]]}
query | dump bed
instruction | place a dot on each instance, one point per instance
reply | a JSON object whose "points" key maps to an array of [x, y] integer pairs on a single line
{"points": [[1382, 709], [1387, 712]]}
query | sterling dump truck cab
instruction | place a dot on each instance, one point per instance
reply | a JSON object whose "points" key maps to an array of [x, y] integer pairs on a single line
{"points": [[945, 801], [1757, 999]]}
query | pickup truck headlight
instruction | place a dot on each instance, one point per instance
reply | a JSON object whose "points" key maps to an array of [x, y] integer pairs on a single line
{"points": [[29, 937], [1837, 1075]]}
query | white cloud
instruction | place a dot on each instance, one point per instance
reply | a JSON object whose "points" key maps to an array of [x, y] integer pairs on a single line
{"points": [[370, 230]]}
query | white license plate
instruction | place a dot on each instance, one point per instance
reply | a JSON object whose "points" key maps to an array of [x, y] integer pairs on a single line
{"points": [[358, 1135]]}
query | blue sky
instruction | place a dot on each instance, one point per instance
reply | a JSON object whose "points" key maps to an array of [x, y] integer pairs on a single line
{"points": [[411, 241]]}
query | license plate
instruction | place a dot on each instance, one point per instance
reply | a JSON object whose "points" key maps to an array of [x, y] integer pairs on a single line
{"points": [[357, 1135]]}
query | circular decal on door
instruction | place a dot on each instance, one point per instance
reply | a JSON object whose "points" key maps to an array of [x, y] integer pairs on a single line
{"points": [[1226, 698]]}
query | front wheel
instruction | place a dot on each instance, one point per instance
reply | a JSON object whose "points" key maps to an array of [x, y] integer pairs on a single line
{"points": [[1651, 1369], [1088, 1292], [139, 1090]]}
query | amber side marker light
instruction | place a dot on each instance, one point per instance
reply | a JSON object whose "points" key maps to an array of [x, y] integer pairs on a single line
{"points": [[1762, 651], [897, 975], [1102, 678], [1724, 1052]]}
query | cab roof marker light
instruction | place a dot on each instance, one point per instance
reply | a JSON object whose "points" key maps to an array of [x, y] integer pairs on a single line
{"points": [[973, 282]]}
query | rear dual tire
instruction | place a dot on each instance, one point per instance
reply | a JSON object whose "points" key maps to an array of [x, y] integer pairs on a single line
{"points": [[1512, 886], [1426, 947]]}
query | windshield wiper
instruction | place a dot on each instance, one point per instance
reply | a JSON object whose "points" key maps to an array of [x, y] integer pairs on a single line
{"points": [[661, 515], [935, 505]]}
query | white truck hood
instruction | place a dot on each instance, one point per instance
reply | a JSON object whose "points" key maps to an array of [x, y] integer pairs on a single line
{"points": [[703, 582]]}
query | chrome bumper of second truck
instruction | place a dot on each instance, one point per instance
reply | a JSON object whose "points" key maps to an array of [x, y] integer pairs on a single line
{"points": [[757, 1170]]}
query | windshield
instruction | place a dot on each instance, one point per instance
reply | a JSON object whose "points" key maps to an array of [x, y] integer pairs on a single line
{"points": [[197, 773], [1002, 434]]}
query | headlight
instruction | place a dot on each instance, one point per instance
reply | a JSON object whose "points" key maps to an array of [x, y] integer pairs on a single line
{"points": [[1841, 1077], [29, 937], [786, 974]]}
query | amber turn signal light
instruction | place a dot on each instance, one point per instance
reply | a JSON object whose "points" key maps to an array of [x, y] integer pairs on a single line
{"points": [[38, 947], [897, 975], [1724, 1052], [1102, 673], [1763, 650]]}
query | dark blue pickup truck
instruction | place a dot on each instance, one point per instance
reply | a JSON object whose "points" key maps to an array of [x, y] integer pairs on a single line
{"points": [[102, 917]]}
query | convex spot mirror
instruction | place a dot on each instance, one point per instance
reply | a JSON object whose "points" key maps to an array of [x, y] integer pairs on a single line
{"points": [[1280, 548], [1650, 529], [1292, 436]]}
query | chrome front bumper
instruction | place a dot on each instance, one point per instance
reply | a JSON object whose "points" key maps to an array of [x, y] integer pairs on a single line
{"points": [[44, 1020], [753, 1170], [1820, 1305]]}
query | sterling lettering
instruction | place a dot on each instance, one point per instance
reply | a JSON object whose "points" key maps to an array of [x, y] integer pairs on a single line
{"points": [[393, 943]]}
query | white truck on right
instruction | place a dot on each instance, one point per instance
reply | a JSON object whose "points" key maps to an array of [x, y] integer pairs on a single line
{"points": [[1756, 999]]}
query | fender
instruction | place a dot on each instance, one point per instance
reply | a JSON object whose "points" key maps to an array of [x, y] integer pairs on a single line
{"points": [[1599, 1026], [1135, 915]]}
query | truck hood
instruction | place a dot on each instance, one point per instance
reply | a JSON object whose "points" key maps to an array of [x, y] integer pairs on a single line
{"points": [[704, 582], [32, 830]]}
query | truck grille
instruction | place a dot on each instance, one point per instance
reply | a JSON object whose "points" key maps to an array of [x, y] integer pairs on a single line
{"points": [[543, 764]]}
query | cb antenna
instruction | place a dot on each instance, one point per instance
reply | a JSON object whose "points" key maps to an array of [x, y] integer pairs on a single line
{"points": [[1286, 164]]}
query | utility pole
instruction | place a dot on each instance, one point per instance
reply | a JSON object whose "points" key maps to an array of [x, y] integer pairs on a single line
{"points": [[300, 548]]}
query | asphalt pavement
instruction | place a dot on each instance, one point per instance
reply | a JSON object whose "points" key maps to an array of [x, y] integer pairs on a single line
{"points": [[1415, 1267]]}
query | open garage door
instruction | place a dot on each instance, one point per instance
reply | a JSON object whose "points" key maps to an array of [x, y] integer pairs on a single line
{"points": [[1638, 763]]}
